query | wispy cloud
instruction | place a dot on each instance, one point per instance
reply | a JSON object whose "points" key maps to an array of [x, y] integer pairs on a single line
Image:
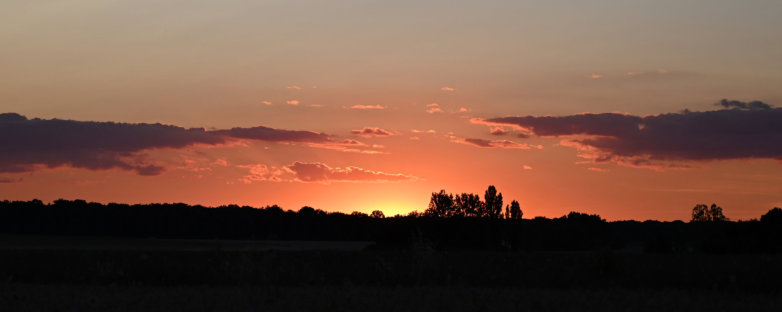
{"points": [[448, 89], [434, 110], [372, 132], [378, 106], [483, 143], [322, 173], [292, 102], [293, 87], [498, 131]]}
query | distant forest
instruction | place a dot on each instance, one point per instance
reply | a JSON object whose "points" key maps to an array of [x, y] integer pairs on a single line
{"points": [[451, 222]]}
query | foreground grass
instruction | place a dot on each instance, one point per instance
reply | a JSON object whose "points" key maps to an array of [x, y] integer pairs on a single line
{"points": [[66, 297]]}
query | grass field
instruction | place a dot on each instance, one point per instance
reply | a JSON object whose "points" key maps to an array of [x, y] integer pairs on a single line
{"points": [[103, 274], [67, 297]]}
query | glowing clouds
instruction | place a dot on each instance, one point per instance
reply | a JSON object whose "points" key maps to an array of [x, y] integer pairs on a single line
{"points": [[372, 132], [739, 131], [29, 144], [368, 107], [320, 172]]}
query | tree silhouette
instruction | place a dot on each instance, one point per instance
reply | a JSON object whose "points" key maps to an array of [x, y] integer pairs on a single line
{"points": [[493, 207], [440, 205], [377, 214], [467, 204], [703, 213], [515, 212], [772, 216]]}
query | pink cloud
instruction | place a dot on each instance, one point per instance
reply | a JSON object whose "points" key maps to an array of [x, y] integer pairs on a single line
{"points": [[595, 76], [266, 103], [526, 167], [293, 87], [463, 110], [482, 143], [292, 102], [498, 131], [372, 131], [434, 110], [322, 173], [448, 89], [368, 107]]}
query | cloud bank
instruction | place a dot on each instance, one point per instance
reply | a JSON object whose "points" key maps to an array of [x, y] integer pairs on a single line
{"points": [[741, 130], [31, 143]]}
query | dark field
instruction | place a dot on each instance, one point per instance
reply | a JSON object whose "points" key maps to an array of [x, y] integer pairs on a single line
{"points": [[104, 274]]}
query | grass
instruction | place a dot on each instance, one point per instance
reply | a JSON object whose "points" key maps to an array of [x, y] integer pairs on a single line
{"points": [[65, 297]]}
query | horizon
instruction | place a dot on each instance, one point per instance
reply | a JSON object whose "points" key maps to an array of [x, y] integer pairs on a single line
{"points": [[631, 111]]}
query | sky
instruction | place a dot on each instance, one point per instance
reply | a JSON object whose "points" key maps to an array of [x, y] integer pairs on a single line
{"points": [[628, 109]]}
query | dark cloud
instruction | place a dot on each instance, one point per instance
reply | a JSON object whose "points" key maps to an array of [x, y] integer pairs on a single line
{"points": [[274, 135], [320, 172], [30, 143], [372, 131], [747, 130], [742, 105], [492, 143]]}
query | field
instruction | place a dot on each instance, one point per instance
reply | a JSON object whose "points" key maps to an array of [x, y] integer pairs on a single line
{"points": [[106, 274]]}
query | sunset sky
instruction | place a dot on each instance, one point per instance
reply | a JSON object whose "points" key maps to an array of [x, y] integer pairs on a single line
{"points": [[628, 109]]}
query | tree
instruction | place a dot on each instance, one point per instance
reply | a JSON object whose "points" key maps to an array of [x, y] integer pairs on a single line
{"points": [[772, 216], [377, 214], [440, 205], [515, 211], [703, 213], [467, 204], [493, 206]]}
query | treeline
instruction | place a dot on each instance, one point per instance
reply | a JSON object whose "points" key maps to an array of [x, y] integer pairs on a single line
{"points": [[475, 225]]}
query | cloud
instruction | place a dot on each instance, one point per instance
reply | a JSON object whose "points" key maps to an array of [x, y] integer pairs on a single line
{"points": [[293, 87], [28, 144], [754, 105], [292, 102], [449, 89], [482, 143], [498, 131], [261, 172], [595, 76], [463, 110], [526, 167], [368, 107], [320, 172], [432, 105], [372, 131], [434, 110], [742, 130], [266, 102]]}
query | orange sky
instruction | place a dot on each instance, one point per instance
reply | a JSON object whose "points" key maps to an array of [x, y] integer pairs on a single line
{"points": [[421, 72]]}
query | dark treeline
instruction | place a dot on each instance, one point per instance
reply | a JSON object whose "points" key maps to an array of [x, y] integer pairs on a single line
{"points": [[451, 222]]}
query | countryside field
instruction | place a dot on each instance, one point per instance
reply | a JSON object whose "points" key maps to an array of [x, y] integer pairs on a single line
{"points": [[108, 274]]}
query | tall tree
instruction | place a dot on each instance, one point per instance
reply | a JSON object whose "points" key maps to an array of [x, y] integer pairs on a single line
{"points": [[515, 211], [493, 202]]}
